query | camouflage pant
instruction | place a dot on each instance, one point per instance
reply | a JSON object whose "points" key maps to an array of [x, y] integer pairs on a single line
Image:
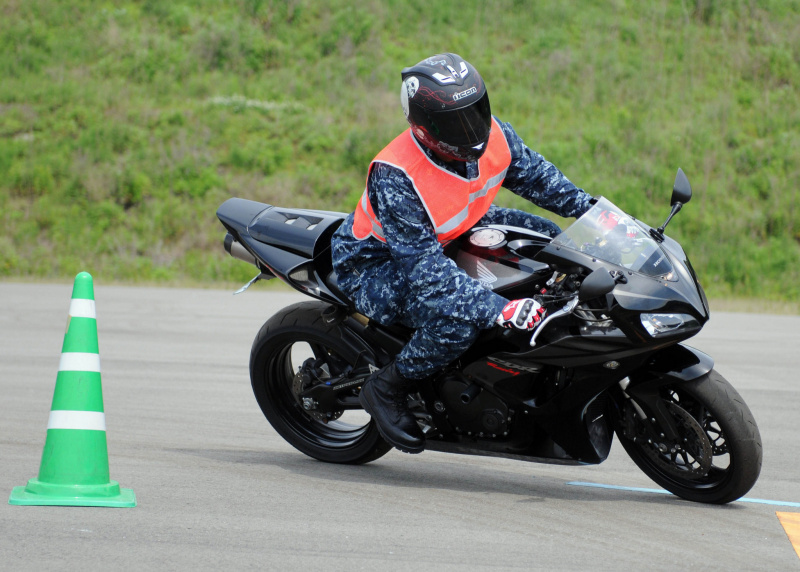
{"points": [[383, 293]]}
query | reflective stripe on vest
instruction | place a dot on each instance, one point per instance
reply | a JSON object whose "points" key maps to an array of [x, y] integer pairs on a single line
{"points": [[453, 204]]}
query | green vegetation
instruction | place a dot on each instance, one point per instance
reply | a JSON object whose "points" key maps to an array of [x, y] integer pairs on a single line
{"points": [[123, 125]]}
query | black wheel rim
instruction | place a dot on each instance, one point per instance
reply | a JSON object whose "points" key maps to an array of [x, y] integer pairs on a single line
{"points": [[281, 365], [722, 462]]}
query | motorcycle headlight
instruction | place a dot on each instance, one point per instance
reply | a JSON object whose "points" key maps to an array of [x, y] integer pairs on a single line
{"points": [[666, 324]]}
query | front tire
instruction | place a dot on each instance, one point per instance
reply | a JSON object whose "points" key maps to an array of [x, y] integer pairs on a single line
{"points": [[718, 458], [283, 344]]}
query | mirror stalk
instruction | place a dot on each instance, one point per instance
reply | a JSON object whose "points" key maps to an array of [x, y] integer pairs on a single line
{"points": [[658, 234]]}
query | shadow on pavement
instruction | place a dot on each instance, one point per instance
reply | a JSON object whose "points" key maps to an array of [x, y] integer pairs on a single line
{"points": [[435, 474]]}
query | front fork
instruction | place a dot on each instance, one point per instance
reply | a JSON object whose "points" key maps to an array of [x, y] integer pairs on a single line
{"points": [[673, 365]]}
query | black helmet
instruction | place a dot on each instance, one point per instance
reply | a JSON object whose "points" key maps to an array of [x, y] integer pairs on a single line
{"points": [[446, 104]]}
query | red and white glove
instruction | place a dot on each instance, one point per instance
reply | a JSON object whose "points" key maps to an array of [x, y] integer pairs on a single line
{"points": [[524, 314]]}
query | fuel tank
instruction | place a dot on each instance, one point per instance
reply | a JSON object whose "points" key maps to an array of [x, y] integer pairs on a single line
{"points": [[502, 258]]}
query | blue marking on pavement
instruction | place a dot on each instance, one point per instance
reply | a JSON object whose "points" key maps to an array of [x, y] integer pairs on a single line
{"points": [[663, 492]]}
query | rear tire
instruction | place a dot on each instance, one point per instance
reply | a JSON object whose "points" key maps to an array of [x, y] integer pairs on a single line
{"points": [[283, 343], [724, 428]]}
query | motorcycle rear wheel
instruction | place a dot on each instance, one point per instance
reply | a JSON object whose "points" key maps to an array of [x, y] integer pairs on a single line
{"points": [[718, 422], [284, 342]]}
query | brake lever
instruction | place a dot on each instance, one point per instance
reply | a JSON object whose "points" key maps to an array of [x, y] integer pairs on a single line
{"points": [[567, 309]]}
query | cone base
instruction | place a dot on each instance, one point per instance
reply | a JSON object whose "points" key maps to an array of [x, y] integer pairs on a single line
{"points": [[46, 494]]}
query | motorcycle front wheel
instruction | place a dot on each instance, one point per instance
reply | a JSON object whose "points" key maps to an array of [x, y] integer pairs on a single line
{"points": [[717, 456], [286, 344]]}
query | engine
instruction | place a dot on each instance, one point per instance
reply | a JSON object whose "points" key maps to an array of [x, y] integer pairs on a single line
{"points": [[470, 409]]}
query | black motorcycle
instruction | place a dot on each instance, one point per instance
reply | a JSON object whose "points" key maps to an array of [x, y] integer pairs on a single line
{"points": [[607, 358]]}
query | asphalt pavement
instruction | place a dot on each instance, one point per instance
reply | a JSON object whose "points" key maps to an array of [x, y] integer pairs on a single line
{"points": [[217, 488]]}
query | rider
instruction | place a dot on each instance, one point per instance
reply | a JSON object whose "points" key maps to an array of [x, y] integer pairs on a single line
{"points": [[434, 182]]}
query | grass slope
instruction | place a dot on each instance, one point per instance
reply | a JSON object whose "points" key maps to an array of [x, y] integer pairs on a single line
{"points": [[123, 125]]}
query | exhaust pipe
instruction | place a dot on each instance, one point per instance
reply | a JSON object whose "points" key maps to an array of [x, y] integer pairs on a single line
{"points": [[235, 249]]}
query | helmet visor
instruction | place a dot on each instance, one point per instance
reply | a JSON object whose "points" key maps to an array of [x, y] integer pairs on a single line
{"points": [[465, 127]]}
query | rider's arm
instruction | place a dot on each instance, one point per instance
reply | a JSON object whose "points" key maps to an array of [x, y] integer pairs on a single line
{"points": [[412, 242], [533, 177]]}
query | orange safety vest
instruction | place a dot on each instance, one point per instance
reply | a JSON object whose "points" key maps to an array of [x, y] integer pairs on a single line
{"points": [[454, 204]]}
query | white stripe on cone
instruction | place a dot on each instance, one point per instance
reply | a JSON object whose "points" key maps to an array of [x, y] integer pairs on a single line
{"points": [[89, 420], [77, 361], [81, 308]]}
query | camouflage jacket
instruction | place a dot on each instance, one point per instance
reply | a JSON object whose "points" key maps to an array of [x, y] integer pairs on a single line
{"points": [[413, 253]]}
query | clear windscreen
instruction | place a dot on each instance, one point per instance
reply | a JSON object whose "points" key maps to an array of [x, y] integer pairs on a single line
{"points": [[607, 233]]}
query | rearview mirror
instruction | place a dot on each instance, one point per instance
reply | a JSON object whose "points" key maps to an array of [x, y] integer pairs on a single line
{"points": [[598, 283], [681, 190]]}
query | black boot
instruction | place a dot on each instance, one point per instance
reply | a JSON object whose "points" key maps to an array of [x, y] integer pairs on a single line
{"points": [[384, 397]]}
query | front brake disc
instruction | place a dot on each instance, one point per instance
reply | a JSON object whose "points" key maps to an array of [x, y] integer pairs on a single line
{"points": [[691, 456]]}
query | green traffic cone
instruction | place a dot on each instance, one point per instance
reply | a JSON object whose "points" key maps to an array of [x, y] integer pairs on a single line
{"points": [[74, 468]]}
